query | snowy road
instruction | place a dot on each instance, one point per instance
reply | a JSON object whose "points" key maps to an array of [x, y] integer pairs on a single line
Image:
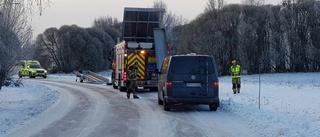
{"points": [[97, 110]]}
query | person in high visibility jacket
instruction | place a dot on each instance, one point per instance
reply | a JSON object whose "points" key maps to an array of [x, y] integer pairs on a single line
{"points": [[132, 80], [235, 71]]}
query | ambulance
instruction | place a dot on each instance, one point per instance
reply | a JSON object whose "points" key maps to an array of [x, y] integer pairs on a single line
{"points": [[32, 69]]}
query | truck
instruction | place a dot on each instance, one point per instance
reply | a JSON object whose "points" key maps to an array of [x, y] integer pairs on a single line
{"points": [[31, 68], [143, 42]]}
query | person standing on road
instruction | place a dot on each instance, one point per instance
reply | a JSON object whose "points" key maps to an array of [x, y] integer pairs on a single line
{"points": [[132, 81], [235, 71]]}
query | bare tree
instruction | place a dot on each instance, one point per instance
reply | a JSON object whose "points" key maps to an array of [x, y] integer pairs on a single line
{"points": [[48, 46], [15, 32], [221, 3], [105, 22], [214, 4], [170, 20], [159, 4], [253, 2], [211, 5], [11, 27], [9, 44], [110, 25]]}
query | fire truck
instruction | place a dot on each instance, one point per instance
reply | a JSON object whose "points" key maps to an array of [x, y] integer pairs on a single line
{"points": [[143, 42]]}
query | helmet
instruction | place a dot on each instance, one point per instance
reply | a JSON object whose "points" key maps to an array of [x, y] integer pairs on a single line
{"points": [[234, 61]]}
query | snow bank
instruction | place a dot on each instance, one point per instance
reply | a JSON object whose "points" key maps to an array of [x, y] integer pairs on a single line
{"points": [[19, 104]]}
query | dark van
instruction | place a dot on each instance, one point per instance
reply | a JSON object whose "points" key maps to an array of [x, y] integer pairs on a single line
{"points": [[188, 79]]}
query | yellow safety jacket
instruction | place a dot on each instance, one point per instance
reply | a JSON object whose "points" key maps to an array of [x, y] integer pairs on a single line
{"points": [[235, 71], [133, 73]]}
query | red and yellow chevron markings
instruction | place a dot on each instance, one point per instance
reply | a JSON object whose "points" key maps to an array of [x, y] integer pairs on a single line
{"points": [[140, 58]]}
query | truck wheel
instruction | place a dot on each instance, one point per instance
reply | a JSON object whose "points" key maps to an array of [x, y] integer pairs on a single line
{"points": [[19, 74], [114, 86], [44, 76], [213, 107]]}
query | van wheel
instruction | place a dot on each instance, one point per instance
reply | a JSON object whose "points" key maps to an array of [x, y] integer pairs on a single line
{"points": [[160, 102], [166, 105], [213, 107]]}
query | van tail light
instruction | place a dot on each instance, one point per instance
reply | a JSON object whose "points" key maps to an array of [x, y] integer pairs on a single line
{"points": [[124, 76], [216, 84], [168, 84]]}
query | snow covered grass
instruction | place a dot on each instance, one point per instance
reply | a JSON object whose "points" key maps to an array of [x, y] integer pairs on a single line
{"points": [[19, 104], [289, 103]]}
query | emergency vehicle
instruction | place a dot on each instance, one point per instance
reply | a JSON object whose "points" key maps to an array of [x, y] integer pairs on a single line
{"points": [[31, 68], [143, 42]]}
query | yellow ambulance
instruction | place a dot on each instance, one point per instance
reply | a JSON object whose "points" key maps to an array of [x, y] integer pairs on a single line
{"points": [[31, 68]]}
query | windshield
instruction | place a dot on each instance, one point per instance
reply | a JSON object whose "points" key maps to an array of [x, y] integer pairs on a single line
{"points": [[35, 66]]}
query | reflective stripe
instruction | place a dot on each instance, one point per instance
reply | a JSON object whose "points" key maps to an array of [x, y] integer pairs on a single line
{"points": [[140, 58]]}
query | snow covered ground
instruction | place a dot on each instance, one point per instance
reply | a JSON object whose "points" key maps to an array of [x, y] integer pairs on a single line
{"points": [[289, 103]]}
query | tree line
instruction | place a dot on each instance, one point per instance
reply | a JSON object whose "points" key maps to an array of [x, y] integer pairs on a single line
{"points": [[263, 39], [72, 47]]}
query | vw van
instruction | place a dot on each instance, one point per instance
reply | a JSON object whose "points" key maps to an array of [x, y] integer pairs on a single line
{"points": [[188, 79]]}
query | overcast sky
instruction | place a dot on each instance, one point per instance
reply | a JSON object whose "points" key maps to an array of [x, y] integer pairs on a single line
{"points": [[83, 12]]}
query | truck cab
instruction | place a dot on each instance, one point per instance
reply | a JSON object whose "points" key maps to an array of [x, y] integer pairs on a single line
{"points": [[31, 68]]}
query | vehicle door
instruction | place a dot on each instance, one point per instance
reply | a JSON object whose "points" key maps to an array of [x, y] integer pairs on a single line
{"points": [[163, 76], [190, 77]]}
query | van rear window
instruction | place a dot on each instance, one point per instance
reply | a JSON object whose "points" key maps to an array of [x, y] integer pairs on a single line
{"points": [[192, 65]]}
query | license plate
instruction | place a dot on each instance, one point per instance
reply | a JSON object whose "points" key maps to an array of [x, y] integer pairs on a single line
{"points": [[193, 84]]}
